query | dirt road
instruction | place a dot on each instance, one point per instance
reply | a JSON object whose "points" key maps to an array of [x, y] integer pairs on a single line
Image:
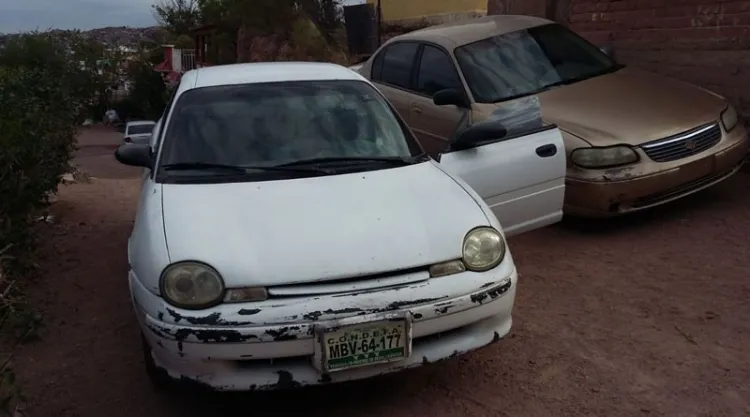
{"points": [[647, 316]]}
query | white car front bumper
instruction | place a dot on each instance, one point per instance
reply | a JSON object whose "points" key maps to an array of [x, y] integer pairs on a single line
{"points": [[271, 345]]}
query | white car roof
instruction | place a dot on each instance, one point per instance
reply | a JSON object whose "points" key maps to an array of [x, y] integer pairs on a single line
{"points": [[264, 72], [141, 122]]}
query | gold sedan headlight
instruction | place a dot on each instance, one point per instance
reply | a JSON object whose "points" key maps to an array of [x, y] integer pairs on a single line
{"points": [[483, 249], [191, 285], [608, 157], [729, 118]]}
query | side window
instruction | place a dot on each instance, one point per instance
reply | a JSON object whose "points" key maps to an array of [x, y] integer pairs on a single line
{"points": [[436, 72], [398, 60], [377, 67], [153, 141], [170, 101], [159, 129]]}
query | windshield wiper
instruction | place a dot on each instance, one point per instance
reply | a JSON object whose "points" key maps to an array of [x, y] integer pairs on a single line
{"points": [[239, 169], [396, 160]]}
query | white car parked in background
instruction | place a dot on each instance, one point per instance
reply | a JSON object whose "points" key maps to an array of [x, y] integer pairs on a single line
{"points": [[292, 232], [138, 131]]}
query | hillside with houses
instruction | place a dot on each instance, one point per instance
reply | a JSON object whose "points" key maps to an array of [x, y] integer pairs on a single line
{"points": [[120, 35]]}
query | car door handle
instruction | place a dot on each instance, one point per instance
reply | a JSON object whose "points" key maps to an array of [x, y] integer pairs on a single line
{"points": [[417, 109], [545, 151]]}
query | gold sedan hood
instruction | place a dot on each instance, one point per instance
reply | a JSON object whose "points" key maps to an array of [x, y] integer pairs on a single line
{"points": [[629, 106]]}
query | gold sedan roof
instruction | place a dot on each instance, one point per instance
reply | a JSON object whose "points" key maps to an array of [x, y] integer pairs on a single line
{"points": [[463, 32]]}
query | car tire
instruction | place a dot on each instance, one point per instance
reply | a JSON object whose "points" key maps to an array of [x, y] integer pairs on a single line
{"points": [[158, 376]]}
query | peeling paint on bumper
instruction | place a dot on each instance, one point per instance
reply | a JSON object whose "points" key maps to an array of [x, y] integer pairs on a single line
{"points": [[272, 346]]}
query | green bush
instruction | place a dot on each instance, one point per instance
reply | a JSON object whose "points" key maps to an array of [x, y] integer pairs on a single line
{"points": [[37, 133], [44, 96], [65, 57], [45, 92]]}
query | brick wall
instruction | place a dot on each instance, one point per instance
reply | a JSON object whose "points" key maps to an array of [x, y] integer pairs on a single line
{"points": [[706, 42]]}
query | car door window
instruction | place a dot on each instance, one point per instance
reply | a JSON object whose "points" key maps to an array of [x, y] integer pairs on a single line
{"points": [[436, 72], [157, 138], [398, 61], [377, 67]]}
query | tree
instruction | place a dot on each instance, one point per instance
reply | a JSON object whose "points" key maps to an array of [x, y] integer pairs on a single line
{"points": [[148, 96], [327, 16], [179, 17], [103, 71], [184, 42], [236, 21], [68, 56], [280, 15]]}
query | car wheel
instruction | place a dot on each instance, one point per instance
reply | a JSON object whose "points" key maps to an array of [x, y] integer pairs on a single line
{"points": [[158, 376]]}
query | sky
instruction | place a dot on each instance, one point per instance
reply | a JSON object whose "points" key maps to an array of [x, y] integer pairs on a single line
{"points": [[25, 15]]}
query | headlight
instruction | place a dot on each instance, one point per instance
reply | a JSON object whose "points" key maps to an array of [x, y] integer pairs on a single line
{"points": [[729, 118], [484, 249], [604, 157], [191, 285]]}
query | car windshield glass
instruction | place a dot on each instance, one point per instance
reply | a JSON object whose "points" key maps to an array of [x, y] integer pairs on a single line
{"points": [[272, 124], [140, 129], [529, 61]]}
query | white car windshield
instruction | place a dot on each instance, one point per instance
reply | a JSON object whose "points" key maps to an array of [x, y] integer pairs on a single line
{"points": [[270, 124], [529, 61]]}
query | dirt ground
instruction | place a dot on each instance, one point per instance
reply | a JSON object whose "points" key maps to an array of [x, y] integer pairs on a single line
{"points": [[645, 316]]}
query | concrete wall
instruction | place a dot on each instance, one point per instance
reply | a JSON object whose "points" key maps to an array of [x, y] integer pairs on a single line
{"points": [[408, 12], [706, 42]]}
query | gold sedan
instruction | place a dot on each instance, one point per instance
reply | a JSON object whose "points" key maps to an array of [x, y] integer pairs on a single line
{"points": [[633, 139]]}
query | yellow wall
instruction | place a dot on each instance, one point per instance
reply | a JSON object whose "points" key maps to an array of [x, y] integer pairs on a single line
{"points": [[394, 10]]}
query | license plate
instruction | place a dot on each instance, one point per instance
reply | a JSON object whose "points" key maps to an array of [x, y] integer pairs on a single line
{"points": [[364, 343]]}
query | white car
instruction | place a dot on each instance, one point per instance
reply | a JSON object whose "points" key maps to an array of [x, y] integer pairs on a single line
{"points": [[138, 131], [292, 232]]}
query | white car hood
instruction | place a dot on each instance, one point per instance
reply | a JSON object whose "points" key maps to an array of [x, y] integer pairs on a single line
{"points": [[323, 228]]}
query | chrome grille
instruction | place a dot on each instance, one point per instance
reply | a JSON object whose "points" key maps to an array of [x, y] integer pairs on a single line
{"points": [[684, 144]]}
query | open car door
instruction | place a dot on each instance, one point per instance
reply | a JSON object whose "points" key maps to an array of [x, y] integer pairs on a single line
{"points": [[521, 176]]}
